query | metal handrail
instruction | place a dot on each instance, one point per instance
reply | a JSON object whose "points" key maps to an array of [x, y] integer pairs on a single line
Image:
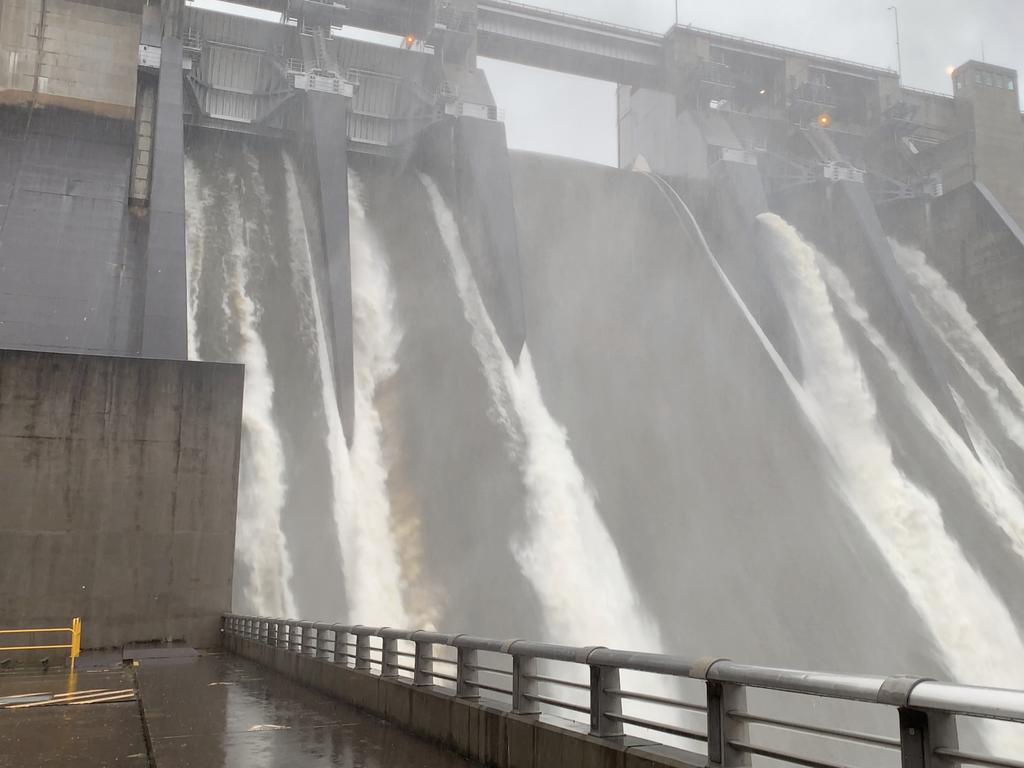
{"points": [[74, 646], [927, 709]]}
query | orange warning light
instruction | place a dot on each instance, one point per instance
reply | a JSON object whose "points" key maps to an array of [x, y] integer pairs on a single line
{"points": [[410, 40], [824, 119]]}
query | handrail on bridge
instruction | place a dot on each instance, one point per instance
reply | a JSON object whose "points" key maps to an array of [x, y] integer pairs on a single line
{"points": [[927, 710], [74, 646]]}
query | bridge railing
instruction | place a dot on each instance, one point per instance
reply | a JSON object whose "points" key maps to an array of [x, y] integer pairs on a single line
{"points": [[923, 714]]}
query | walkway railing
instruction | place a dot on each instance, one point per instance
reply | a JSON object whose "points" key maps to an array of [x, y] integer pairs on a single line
{"points": [[73, 646], [923, 713]]}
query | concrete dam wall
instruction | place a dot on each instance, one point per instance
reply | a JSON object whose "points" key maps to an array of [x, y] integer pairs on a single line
{"points": [[529, 397], [650, 455]]}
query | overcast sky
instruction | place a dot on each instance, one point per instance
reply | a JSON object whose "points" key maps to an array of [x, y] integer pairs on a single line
{"points": [[575, 117]]}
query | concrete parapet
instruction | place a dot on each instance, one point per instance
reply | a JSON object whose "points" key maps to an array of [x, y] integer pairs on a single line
{"points": [[479, 729]]}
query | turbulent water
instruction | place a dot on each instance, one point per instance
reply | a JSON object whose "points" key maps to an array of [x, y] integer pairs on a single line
{"points": [[649, 474], [253, 299], [567, 551], [260, 544], [973, 628], [361, 510]]}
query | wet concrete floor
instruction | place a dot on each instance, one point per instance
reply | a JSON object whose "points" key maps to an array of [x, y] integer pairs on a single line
{"points": [[82, 734], [215, 710]]}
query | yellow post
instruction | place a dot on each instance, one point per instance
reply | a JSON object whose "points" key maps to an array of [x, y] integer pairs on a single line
{"points": [[76, 640]]}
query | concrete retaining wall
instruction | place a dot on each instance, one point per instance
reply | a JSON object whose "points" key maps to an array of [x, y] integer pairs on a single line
{"points": [[479, 729], [118, 484]]}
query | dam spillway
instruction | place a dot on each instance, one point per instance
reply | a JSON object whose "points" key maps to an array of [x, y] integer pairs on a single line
{"points": [[528, 396]]}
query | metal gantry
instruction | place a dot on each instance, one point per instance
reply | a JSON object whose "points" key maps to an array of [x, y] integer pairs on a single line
{"points": [[518, 672]]}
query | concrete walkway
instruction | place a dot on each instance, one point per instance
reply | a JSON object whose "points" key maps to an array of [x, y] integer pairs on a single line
{"points": [[214, 710]]}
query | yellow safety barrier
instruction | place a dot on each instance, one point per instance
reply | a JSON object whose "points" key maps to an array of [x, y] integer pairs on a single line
{"points": [[75, 646]]}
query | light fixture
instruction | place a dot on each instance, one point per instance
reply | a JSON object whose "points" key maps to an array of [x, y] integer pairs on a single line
{"points": [[824, 119]]}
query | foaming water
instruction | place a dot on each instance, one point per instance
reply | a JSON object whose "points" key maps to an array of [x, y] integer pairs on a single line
{"points": [[990, 481], [960, 332], [196, 203], [259, 541], [567, 554], [973, 628], [376, 337], [361, 508]]}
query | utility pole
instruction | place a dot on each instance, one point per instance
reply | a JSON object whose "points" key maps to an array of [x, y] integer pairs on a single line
{"points": [[899, 51], [677, 13]]}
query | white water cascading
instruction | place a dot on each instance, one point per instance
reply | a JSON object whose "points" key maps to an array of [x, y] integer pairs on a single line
{"points": [[260, 543], [567, 555], [195, 203], [959, 331], [568, 552], [992, 485], [973, 629], [361, 507]]}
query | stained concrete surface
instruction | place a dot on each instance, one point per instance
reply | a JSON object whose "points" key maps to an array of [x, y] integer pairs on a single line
{"points": [[221, 710], [97, 735], [118, 478]]}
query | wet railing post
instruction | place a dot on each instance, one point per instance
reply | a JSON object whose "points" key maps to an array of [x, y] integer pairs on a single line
{"points": [[308, 647], [424, 674], [389, 656], [279, 634], [723, 729], [604, 681], [524, 682], [321, 641], [363, 652], [340, 635], [466, 674], [289, 632], [922, 732]]}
